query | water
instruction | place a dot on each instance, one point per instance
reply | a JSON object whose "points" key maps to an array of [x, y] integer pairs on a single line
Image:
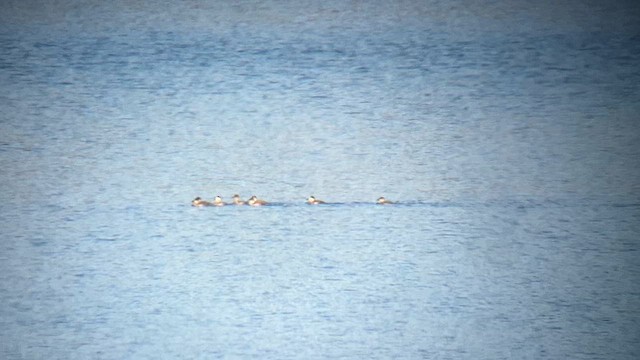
{"points": [[506, 132]]}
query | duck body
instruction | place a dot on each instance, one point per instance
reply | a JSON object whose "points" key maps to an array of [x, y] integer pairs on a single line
{"points": [[382, 201], [313, 201], [199, 202], [217, 201], [254, 201], [237, 201]]}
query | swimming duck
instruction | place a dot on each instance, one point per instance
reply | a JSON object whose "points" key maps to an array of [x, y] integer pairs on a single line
{"points": [[313, 201], [237, 200], [199, 202], [383, 201], [254, 201], [217, 201]]}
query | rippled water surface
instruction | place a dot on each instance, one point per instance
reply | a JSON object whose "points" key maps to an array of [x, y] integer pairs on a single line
{"points": [[506, 133]]}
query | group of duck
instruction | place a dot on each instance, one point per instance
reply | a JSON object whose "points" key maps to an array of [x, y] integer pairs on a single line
{"points": [[254, 201]]}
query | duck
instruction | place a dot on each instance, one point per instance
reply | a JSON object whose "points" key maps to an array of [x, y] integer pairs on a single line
{"points": [[199, 202], [383, 201], [313, 201], [254, 201], [237, 200], [217, 201]]}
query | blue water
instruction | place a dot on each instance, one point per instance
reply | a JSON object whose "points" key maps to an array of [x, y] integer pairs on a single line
{"points": [[506, 132]]}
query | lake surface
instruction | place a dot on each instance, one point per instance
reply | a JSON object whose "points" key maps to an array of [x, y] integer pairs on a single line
{"points": [[507, 133]]}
